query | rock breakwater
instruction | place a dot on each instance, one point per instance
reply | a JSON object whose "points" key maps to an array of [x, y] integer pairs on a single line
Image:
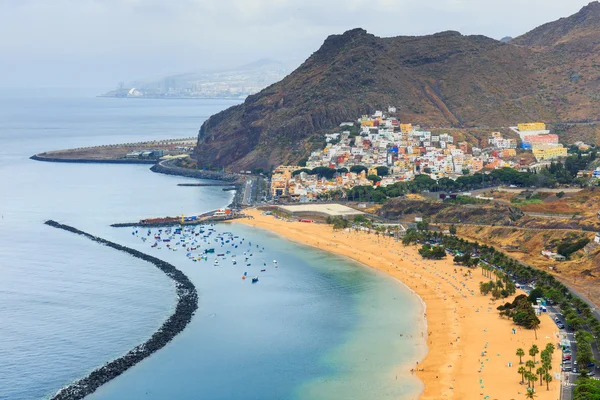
{"points": [[167, 167], [187, 304]]}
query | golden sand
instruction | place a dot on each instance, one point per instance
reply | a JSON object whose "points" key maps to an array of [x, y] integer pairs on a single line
{"points": [[469, 345]]}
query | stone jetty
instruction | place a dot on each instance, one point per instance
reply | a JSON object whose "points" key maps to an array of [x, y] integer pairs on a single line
{"points": [[187, 304]]}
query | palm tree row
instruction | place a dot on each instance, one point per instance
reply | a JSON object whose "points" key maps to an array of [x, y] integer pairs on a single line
{"points": [[542, 372]]}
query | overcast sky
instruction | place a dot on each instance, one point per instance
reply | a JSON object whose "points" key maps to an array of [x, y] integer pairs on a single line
{"points": [[97, 43]]}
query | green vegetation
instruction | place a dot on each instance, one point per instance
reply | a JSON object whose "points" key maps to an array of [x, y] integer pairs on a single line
{"points": [[361, 219], [466, 200], [577, 313], [322, 172], [556, 173], [423, 225], [567, 173], [338, 222], [570, 245], [357, 169], [374, 178], [432, 252], [587, 389], [535, 294], [529, 199], [520, 353], [542, 373], [382, 171], [585, 356]]}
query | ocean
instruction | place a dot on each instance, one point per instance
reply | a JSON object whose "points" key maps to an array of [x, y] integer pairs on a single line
{"points": [[317, 327]]}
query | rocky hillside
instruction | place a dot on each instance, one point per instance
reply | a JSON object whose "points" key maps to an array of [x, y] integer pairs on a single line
{"points": [[441, 80]]}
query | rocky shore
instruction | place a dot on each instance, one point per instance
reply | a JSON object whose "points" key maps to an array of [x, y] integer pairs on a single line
{"points": [[167, 167], [187, 304]]}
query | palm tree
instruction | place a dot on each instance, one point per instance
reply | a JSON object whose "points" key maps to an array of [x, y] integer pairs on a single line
{"points": [[530, 364], [528, 378], [530, 394], [520, 354], [548, 379], [522, 371], [533, 351], [540, 372], [533, 380], [550, 348], [545, 356]]}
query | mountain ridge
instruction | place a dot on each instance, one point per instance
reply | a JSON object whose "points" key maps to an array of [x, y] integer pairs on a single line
{"points": [[445, 79]]}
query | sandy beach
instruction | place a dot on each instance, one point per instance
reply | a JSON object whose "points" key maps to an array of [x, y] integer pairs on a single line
{"points": [[469, 345]]}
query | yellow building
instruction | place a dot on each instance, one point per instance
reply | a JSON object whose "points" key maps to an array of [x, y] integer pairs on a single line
{"points": [[367, 123], [373, 171], [509, 153], [405, 128], [532, 126], [548, 152]]}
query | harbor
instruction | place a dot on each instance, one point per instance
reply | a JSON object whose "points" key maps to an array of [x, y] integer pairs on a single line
{"points": [[220, 215]]}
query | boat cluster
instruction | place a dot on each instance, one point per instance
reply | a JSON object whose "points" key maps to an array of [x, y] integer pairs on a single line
{"points": [[205, 243]]}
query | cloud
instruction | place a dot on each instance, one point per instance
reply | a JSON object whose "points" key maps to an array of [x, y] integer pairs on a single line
{"points": [[104, 41]]}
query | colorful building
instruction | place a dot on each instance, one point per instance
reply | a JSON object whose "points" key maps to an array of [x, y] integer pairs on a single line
{"points": [[406, 128], [549, 138], [532, 126], [547, 152]]}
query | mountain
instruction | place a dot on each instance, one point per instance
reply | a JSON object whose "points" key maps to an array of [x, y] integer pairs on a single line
{"points": [[234, 82], [578, 33], [441, 80]]}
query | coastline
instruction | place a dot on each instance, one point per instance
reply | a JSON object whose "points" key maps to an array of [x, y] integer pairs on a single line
{"points": [[468, 345], [41, 157], [187, 304]]}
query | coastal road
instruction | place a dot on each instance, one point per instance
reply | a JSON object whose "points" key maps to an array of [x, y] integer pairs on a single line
{"points": [[247, 196]]}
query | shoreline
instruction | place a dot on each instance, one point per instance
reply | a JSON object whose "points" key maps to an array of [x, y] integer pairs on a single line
{"points": [[468, 345], [187, 304], [422, 321], [164, 167], [41, 157]]}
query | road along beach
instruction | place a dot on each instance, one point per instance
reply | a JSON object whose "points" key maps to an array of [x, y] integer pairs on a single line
{"points": [[471, 349]]}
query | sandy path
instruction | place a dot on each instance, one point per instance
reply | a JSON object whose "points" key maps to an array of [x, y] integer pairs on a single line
{"points": [[470, 345]]}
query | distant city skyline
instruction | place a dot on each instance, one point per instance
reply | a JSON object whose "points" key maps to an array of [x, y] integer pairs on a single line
{"points": [[90, 43]]}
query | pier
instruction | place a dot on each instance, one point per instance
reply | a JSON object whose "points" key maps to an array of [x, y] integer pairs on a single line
{"points": [[208, 218]]}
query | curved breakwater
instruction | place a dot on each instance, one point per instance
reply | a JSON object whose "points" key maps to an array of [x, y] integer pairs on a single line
{"points": [[42, 157], [187, 304]]}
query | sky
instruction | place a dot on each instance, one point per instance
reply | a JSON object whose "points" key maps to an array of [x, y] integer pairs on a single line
{"points": [[98, 43]]}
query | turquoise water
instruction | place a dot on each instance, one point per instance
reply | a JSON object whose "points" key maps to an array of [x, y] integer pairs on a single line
{"points": [[319, 326]]}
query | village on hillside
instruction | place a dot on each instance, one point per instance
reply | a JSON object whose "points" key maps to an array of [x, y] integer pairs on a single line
{"points": [[379, 150]]}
